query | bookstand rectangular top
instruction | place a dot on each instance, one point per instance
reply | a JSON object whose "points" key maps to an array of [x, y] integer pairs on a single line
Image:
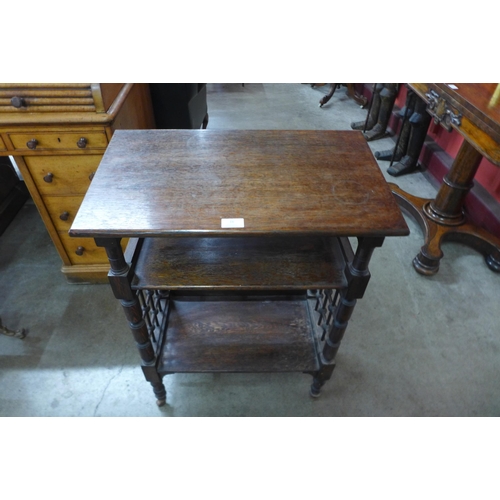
{"points": [[275, 182]]}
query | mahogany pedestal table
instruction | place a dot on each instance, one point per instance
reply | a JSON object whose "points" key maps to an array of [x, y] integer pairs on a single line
{"points": [[470, 110], [239, 258]]}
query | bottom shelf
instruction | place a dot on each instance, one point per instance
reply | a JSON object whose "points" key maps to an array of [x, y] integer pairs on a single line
{"points": [[256, 335]]}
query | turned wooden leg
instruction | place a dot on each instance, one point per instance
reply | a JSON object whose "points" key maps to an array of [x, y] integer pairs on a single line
{"points": [[327, 97], [155, 379], [332, 343], [119, 277], [446, 210], [447, 207], [357, 275], [319, 379]]}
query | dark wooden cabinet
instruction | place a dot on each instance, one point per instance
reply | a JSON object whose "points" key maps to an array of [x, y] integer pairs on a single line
{"points": [[240, 258]]}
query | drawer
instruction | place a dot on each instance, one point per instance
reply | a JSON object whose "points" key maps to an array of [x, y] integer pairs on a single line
{"points": [[46, 97], [90, 252], [62, 210], [62, 175], [43, 141]]}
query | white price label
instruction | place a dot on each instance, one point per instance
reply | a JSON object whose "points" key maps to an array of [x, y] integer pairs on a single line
{"points": [[232, 223]]}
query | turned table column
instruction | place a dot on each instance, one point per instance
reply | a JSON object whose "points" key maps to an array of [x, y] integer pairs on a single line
{"points": [[119, 278], [358, 276], [447, 207], [443, 218]]}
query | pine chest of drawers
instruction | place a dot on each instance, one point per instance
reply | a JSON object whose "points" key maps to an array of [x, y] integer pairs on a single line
{"points": [[57, 134]]}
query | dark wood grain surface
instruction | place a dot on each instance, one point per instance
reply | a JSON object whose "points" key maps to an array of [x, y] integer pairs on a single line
{"points": [[183, 182], [477, 98], [239, 336], [230, 263]]}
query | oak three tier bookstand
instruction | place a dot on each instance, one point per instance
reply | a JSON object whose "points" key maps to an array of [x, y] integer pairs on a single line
{"points": [[240, 258]]}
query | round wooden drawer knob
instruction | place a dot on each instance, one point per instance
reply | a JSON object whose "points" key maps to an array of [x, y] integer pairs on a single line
{"points": [[32, 144], [64, 216], [48, 177], [82, 143], [79, 250], [18, 102]]}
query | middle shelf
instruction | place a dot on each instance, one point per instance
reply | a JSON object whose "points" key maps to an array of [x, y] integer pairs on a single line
{"points": [[237, 263]]}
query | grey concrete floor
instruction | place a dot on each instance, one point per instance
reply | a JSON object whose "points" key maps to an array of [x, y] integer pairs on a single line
{"points": [[415, 346]]}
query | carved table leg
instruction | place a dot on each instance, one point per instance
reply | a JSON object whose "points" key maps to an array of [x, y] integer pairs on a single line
{"points": [[351, 92], [20, 334], [327, 97], [120, 276], [357, 275], [443, 219]]}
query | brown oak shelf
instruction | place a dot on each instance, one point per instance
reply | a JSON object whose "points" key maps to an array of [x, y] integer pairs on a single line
{"points": [[238, 336], [235, 263]]}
